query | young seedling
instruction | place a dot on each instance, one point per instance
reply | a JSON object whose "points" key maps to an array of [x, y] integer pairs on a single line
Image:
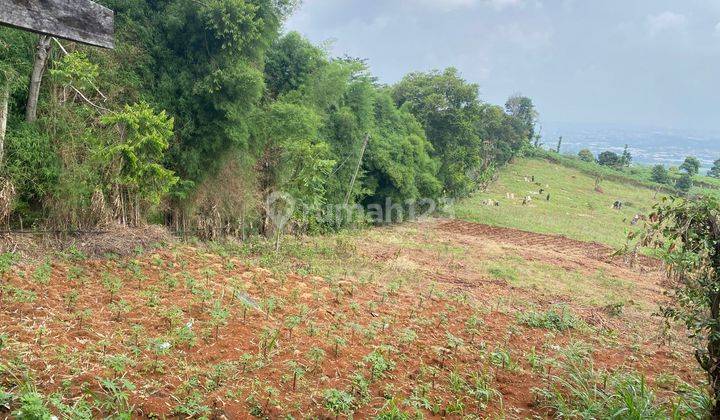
{"points": [[297, 370], [291, 322], [112, 284], [337, 343], [136, 271], [268, 341], [338, 402], [219, 316], [316, 355], [42, 273], [77, 274], [71, 299], [120, 308]]}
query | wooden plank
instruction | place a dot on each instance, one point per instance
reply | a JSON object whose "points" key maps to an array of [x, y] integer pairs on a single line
{"points": [[75, 20]]}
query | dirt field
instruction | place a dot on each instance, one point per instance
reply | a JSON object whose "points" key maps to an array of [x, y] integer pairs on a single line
{"points": [[428, 317]]}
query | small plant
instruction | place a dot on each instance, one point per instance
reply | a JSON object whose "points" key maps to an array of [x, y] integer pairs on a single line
{"points": [[120, 308], [297, 370], [316, 355], [219, 316], [193, 407], [481, 390], [501, 358], [42, 273], [558, 319], [337, 343], [338, 402], [71, 299], [379, 362], [112, 284], [117, 397], [291, 322], [32, 406]]}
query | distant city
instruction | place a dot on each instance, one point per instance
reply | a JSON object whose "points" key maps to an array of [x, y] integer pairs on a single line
{"points": [[649, 146]]}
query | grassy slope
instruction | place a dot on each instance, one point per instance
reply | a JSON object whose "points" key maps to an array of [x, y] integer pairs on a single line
{"points": [[575, 209]]}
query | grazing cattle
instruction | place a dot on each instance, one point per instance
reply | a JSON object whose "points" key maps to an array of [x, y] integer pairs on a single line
{"points": [[527, 200], [618, 205], [548, 197]]}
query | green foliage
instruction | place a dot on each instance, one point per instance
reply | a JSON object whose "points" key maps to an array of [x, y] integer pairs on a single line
{"points": [[660, 175], [714, 172], [466, 135], [688, 230], [338, 402], [586, 155], [609, 158], [75, 69], [581, 391], [684, 183], [136, 161], [32, 406], [691, 166], [559, 319], [290, 62]]}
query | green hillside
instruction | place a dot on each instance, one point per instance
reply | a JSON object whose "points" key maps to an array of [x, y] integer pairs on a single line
{"points": [[575, 208]]}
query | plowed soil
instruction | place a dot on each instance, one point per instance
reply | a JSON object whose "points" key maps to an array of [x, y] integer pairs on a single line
{"points": [[408, 294]]}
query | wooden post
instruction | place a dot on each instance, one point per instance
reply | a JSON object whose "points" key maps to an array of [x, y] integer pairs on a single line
{"points": [[357, 169], [75, 20]]}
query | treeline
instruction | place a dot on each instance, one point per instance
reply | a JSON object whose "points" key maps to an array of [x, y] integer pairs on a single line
{"points": [[205, 110]]}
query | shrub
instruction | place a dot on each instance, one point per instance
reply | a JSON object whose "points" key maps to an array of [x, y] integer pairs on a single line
{"points": [[552, 319]]}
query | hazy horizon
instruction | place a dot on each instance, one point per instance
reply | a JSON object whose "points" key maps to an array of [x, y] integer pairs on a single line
{"points": [[651, 64]]}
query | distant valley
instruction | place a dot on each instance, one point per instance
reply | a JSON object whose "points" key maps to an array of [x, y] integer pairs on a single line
{"points": [[649, 146]]}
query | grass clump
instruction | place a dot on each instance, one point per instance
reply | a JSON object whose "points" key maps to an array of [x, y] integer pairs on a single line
{"points": [[579, 390], [557, 319]]}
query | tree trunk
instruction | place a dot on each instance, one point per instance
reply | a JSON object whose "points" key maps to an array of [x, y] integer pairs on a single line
{"points": [[4, 99], [43, 49]]}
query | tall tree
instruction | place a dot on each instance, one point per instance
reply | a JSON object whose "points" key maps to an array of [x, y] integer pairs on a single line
{"points": [[522, 108], [691, 165], [447, 106]]}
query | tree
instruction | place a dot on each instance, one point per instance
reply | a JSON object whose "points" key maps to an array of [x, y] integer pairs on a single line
{"points": [[688, 231], [715, 170], [684, 183], [522, 108], [660, 175], [609, 158], [691, 165], [136, 174], [625, 158], [14, 68], [446, 105], [586, 156], [289, 63]]}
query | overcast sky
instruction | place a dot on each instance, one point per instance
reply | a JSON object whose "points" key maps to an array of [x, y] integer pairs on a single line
{"points": [[638, 62]]}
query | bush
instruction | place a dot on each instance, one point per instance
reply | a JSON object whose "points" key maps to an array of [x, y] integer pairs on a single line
{"points": [[660, 175], [558, 319], [581, 391], [586, 155], [609, 158], [684, 183]]}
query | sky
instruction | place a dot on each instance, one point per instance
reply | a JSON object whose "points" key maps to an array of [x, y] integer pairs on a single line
{"points": [[641, 63]]}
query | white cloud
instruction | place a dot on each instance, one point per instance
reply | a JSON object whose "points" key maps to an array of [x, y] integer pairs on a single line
{"points": [[666, 21], [450, 5]]}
